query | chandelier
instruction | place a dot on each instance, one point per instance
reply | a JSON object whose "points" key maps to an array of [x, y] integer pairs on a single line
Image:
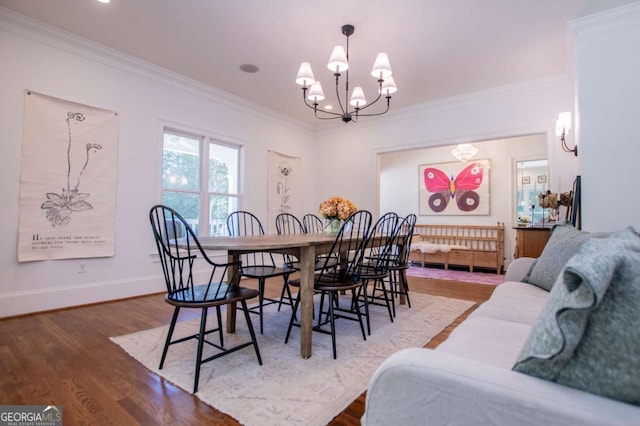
{"points": [[464, 152], [339, 63]]}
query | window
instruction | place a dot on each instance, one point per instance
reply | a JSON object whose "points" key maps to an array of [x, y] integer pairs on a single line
{"points": [[200, 175]]}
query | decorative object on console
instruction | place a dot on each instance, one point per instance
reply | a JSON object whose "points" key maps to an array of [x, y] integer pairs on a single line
{"points": [[563, 125], [339, 63]]}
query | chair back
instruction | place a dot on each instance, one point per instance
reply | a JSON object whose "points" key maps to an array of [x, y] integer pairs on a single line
{"points": [[349, 245], [312, 224], [178, 257], [242, 223], [286, 223], [406, 228], [386, 227]]}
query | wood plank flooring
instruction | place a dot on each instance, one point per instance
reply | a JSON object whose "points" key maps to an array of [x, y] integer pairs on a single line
{"points": [[66, 358]]}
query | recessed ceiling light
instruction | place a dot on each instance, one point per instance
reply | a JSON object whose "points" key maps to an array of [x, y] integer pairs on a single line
{"points": [[328, 107], [104, 1], [250, 68]]}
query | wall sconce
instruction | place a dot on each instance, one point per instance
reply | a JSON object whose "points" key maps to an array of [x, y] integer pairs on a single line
{"points": [[563, 125]]}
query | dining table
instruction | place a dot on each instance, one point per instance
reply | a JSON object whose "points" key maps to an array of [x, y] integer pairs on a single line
{"points": [[305, 247]]}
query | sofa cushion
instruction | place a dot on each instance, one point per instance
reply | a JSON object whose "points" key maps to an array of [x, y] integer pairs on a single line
{"points": [[489, 340], [563, 244], [514, 301], [588, 334]]}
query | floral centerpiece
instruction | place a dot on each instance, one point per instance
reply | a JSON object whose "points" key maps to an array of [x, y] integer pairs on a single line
{"points": [[336, 210]]}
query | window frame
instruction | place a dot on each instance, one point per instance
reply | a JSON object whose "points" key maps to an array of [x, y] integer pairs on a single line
{"points": [[205, 143]]}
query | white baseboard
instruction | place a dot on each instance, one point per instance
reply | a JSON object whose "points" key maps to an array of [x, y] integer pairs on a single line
{"points": [[19, 303]]}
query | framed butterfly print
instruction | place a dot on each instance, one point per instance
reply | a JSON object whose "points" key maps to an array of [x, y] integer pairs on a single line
{"points": [[454, 189]]}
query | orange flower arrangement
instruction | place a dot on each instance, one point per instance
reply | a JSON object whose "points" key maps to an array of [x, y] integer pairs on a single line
{"points": [[337, 208]]}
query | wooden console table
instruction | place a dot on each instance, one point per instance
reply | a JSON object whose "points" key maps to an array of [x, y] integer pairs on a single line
{"points": [[530, 241]]}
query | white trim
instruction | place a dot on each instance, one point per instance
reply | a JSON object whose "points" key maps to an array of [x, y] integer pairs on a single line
{"points": [[410, 112], [607, 21], [27, 302], [55, 37]]}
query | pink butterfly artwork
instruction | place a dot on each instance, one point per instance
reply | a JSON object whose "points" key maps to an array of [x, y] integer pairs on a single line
{"points": [[462, 188]]}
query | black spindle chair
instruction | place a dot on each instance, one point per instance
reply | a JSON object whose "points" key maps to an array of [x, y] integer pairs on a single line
{"points": [[375, 268], [178, 258], [331, 281], [398, 268], [258, 265], [312, 224]]}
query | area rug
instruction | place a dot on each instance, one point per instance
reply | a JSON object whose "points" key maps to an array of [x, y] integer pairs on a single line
{"points": [[286, 389], [454, 275]]}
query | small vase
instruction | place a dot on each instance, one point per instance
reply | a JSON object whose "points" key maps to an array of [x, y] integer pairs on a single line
{"points": [[334, 226]]}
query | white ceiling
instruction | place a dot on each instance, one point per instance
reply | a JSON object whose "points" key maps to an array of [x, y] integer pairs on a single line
{"points": [[437, 48]]}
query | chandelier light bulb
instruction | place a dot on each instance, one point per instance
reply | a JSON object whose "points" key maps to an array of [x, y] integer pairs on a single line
{"points": [[305, 75], [315, 92], [389, 86], [338, 60], [464, 152], [381, 67], [563, 125], [357, 98]]}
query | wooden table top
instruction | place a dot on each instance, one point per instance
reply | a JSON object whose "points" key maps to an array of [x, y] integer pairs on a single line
{"points": [[264, 242]]}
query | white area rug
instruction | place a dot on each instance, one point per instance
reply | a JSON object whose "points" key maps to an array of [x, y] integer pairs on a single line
{"points": [[286, 389]]}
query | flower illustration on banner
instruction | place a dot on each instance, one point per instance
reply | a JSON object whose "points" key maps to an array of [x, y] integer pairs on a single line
{"points": [[284, 170], [60, 206]]}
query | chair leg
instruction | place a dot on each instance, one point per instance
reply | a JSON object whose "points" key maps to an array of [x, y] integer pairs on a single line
{"points": [[245, 309], [172, 326], [405, 284], [355, 299], [385, 292], [293, 317], [261, 302], [333, 327], [203, 324], [285, 288], [220, 333]]}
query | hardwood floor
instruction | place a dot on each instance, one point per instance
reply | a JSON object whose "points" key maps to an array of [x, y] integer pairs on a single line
{"points": [[66, 358]]}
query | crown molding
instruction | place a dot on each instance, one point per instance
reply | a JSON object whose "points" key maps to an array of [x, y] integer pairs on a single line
{"points": [[547, 83], [55, 37], [606, 21]]}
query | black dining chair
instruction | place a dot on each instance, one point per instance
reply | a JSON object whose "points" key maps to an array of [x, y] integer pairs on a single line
{"points": [[286, 223], [259, 265], [312, 224], [398, 267], [375, 268], [179, 258], [332, 281]]}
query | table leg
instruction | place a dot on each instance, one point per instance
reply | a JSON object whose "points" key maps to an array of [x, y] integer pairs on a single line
{"points": [[307, 266]]}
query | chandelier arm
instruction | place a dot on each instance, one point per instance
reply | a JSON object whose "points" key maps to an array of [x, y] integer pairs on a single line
{"points": [[315, 107], [338, 95], [377, 113], [371, 103]]}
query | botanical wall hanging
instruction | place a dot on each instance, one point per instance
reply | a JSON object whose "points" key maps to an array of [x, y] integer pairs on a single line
{"points": [[68, 182], [454, 188], [283, 181]]}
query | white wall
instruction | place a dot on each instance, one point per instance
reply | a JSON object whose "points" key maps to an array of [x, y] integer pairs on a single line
{"points": [[45, 60], [608, 99], [400, 181], [507, 112]]}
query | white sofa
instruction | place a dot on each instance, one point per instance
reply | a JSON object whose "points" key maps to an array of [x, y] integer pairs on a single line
{"points": [[468, 379]]}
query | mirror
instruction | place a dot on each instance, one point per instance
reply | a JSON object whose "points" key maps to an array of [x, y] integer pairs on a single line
{"points": [[532, 179]]}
